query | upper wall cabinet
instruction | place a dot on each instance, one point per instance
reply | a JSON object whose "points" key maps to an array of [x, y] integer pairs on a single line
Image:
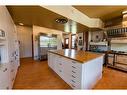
{"points": [[118, 32]]}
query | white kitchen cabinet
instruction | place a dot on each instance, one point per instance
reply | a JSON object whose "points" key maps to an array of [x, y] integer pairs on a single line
{"points": [[51, 63], [12, 72], [77, 75], [68, 70], [4, 76], [10, 56]]}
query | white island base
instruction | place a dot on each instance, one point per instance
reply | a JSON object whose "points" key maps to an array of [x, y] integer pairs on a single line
{"points": [[77, 75]]}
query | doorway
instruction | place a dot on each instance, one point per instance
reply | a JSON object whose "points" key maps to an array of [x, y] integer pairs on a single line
{"points": [[66, 43], [73, 41]]}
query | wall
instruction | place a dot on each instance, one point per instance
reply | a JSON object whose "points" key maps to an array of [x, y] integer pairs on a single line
{"points": [[37, 30], [96, 33], [25, 38], [119, 47]]}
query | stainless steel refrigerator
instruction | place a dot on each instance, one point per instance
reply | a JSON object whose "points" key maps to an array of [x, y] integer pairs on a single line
{"points": [[46, 42]]}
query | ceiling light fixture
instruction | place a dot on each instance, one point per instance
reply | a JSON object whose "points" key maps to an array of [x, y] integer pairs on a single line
{"points": [[61, 20], [21, 24]]}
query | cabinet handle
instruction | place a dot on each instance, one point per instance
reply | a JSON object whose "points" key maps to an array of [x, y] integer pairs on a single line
{"points": [[73, 72], [73, 67], [11, 61], [7, 87], [73, 76], [73, 81], [12, 70], [60, 63], [60, 57], [60, 70], [72, 85], [74, 62], [5, 70], [12, 79]]}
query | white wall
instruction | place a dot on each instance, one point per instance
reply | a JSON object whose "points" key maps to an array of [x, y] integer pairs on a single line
{"points": [[119, 47], [25, 38], [95, 33], [37, 30]]}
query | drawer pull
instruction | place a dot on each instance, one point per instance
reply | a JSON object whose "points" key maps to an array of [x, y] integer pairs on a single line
{"points": [[73, 72], [12, 70], [5, 70], [60, 70], [11, 61], [74, 62], [73, 67], [73, 76], [72, 85], [12, 79], [60, 63], [73, 81], [60, 57], [7, 87]]}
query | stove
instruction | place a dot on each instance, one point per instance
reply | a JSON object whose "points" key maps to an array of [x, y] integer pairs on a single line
{"points": [[118, 52], [117, 60]]}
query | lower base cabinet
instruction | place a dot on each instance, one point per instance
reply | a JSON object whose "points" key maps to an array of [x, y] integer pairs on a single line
{"points": [[4, 76], [7, 75], [77, 75]]}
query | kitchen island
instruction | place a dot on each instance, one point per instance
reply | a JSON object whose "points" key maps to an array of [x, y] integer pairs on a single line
{"points": [[79, 69]]}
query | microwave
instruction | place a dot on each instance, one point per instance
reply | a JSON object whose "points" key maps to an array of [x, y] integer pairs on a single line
{"points": [[2, 33]]}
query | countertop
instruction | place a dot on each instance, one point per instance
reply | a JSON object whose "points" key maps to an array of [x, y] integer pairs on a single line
{"points": [[77, 55]]}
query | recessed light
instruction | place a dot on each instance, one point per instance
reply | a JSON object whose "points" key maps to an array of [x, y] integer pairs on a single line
{"points": [[21, 24], [124, 12]]}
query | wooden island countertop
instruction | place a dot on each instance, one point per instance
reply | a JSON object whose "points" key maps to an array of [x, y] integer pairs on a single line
{"points": [[77, 55]]}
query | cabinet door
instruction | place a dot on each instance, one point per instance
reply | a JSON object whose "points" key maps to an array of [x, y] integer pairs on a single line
{"points": [[49, 59], [13, 71], [121, 59], [110, 59], [75, 74], [4, 77], [72, 73], [58, 67]]}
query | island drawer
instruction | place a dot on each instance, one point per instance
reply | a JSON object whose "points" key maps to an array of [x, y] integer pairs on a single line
{"points": [[72, 62], [73, 82], [75, 85]]}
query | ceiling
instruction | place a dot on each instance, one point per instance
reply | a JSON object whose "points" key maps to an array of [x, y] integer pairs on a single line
{"points": [[105, 13], [36, 15]]}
